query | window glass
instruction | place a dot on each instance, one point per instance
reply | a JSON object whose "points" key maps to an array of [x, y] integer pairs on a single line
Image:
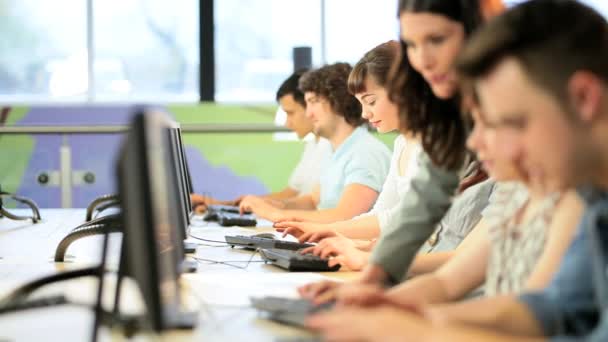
{"points": [[146, 50], [42, 55], [254, 41], [356, 26]]}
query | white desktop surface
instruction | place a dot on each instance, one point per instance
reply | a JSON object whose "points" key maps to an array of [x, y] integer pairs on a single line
{"points": [[219, 292]]}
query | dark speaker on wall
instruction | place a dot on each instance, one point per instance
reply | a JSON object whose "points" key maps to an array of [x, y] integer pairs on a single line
{"points": [[302, 58]]}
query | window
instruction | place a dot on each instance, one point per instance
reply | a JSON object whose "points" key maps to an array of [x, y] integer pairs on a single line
{"points": [[148, 50], [144, 50], [355, 27], [41, 53], [254, 42]]}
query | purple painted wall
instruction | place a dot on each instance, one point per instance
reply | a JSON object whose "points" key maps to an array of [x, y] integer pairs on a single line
{"points": [[98, 152]]}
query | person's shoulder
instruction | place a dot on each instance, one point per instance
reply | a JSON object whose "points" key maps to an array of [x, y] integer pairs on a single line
{"points": [[365, 141], [486, 186], [322, 143], [509, 188], [373, 142], [399, 143]]}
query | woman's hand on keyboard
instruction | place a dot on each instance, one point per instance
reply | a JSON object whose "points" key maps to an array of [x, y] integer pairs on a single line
{"points": [[320, 292], [200, 202], [340, 250], [381, 323], [259, 207], [302, 230]]}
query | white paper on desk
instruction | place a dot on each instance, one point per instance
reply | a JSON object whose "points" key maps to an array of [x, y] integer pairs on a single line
{"points": [[236, 289]]}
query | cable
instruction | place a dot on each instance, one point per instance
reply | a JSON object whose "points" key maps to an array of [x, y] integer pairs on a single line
{"points": [[198, 244], [207, 240], [204, 305], [24, 290], [224, 243], [34, 304], [97, 201], [229, 263], [130, 324], [23, 200], [109, 223], [81, 232], [109, 219], [106, 206]]}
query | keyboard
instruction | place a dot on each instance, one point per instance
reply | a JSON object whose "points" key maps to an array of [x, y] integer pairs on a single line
{"points": [[214, 209], [225, 208], [254, 242], [293, 261], [228, 215], [288, 310], [226, 219]]}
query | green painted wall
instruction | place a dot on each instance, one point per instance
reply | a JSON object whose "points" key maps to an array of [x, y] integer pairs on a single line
{"points": [[255, 155], [15, 153]]}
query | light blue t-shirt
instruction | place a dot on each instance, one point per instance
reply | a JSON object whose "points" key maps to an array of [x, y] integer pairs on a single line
{"points": [[360, 159]]}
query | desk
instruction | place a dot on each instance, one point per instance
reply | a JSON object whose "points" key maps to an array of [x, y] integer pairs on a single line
{"points": [[220, 292]]}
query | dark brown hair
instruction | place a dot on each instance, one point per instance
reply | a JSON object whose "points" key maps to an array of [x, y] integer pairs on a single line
{"points": [[438, 122], [376, 63], [552, 39], [330, 82], [290, 87]]}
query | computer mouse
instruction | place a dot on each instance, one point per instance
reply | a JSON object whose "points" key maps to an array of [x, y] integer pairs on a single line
{"points": [[265, 236]]}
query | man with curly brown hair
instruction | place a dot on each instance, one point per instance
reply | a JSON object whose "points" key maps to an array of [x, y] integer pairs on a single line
{"points": [[351, 180]]}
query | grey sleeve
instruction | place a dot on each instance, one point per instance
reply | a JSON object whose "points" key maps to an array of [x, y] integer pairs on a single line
{"points": [[419, 212], [462, 217]]}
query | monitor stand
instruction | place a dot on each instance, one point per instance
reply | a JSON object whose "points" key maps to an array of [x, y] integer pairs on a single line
{"points": [[190, 247], [180, 320], [188, 266]]}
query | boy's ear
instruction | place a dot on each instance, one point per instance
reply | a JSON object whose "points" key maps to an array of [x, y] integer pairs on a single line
{"points": [[585, 95]]}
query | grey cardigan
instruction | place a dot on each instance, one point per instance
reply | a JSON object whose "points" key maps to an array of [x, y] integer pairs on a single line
{"points": [[429, 198]]}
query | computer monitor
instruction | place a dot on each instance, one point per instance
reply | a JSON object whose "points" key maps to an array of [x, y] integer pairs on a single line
{"points": [[151, 241], [181, 175], [186, 167], [180, 169]]}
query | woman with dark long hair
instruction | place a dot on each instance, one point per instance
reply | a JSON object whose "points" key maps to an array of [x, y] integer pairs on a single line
{"points": [[424, 85]]}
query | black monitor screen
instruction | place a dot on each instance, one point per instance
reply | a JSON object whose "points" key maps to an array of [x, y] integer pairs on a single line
{"points": [[182, 186], [151, 215], [186, 167]]}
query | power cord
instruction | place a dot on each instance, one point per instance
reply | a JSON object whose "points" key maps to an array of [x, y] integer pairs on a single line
{"points": [[98, 226], [34, 304], [104, 207], [23, 200], [100, 200], [224, 243], [20, 294], [231, 262], [81, 232]]}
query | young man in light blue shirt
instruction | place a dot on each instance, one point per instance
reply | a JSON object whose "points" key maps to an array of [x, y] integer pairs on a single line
{"points": [[352, 179]]}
